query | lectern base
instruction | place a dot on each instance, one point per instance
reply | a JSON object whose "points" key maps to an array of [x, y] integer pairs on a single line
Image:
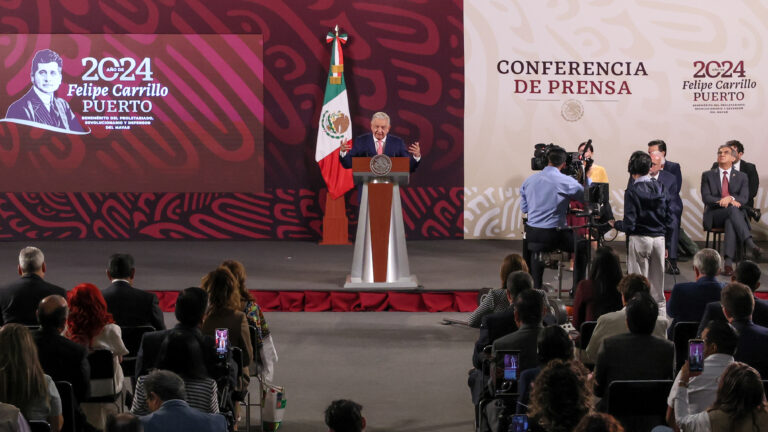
{"points": [[357, 283]]}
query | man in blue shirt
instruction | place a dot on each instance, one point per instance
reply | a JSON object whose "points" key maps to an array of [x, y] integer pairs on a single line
{"points": [[545, 197]]}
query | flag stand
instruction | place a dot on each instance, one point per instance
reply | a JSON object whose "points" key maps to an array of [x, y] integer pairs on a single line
{"points": [[335, 222]]}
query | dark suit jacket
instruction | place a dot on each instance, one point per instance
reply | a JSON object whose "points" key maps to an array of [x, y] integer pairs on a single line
{"points": [[19, 300], [674, 169], [673, 192], [711, 190], [364, 146], [64, 360], [150, 349], [631, 356], [753, 178], [524, 340], [177, 416], [753, 345], [689, 299], [714, 312], [493, 326], [29, 107], [133, 307]]}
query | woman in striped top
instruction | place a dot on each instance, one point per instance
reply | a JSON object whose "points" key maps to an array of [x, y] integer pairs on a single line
{"points": [[496, 299]]}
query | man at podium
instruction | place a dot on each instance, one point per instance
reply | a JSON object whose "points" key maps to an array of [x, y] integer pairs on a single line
{"points": [[379, 141]]}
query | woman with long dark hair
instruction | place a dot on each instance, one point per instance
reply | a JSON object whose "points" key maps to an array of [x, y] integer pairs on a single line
{"points": [[597, 295], [496, 299]]}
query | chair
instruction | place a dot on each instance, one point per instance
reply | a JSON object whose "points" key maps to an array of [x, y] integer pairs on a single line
{"points": [[681, 333], [717, 236], [132, 340], [623, 397], [67, 395], [103, 387], [39, 426], [585, 333], [255, 370]]}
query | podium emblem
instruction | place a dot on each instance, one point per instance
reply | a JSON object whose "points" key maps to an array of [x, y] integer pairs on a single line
{"points": [[381, 165]]}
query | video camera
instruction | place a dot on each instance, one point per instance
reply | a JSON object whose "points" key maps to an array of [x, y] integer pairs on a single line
{"points": [[573, 161]]}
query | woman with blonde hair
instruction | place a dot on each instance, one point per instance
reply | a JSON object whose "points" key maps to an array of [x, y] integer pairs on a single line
{"points": [[22, 381], [496, 299]]}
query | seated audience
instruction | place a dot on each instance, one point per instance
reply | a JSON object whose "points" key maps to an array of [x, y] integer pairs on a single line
{"points": [[19, 300], [11, 419], [344, 416], [597, 295], [90, 325], [181, 354], [739, 405], [720, 340], [529, 313], [62, 359], [496, 300], [553, 343], [22, 381], [738, 305], [615, 323], [561, 397], [748, 273], [130, 306], [637, 355], [123, 422], [166, 397], [688, 299], [598, 422]]}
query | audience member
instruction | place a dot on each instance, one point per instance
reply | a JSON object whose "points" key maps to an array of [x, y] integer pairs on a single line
{"points": [[22, 381], [19, 300], [615, 323], [123, 422], [90, 325], [739, 406], [553, 343], [597, 295], [620, 356], [62, 359], [529, 312], [747, 168], [11, 419], [128, 305], [181, 354], [344, 416], [748, 273], [560, 397], [496, 300], [170, 412], [598, 422], [720, 340], [738, 305], [688, 299]]}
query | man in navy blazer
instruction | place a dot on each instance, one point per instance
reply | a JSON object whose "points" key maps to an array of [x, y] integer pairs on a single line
{"points": [[747, 168], [128, 305], [675, 205], [738, 305], [723, 207], [748, 273], [379, 141], [689, 299], [19, 299], [166, 398]]}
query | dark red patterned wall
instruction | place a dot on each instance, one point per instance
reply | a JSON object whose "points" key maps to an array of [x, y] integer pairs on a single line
{"points": [[405, 57]]}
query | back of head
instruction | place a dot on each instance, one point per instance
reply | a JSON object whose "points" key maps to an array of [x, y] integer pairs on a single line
{"points": [[556, 156], [740, 392], [344, 416], [87, 313], [737, 300], [561, 395], [181, 354], [165, 384], [512, 263], [639, 163], [529, 307], [723, 336], [642, 312], [52, 312], [238, 271], [599, 422], [553, 343], [21, 377], [120, 266], [748, 273], [221, 287], [190, 306], [708, 261], [605, 272], [123, 422], [31, 259], [518, 282], [632, 284]]}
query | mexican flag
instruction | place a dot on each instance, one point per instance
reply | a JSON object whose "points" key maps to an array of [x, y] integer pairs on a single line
{"points": [[335, 122]]}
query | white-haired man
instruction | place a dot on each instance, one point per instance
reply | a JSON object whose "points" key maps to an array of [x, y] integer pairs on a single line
{"points": [[19, 300], [379, 141]]}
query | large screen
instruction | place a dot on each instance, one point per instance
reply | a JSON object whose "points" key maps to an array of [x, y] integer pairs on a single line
{"points": [[131, 113]]}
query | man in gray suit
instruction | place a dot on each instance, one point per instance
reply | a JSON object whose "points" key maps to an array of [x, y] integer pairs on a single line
{"points": [[529, 313], [724, 190]]}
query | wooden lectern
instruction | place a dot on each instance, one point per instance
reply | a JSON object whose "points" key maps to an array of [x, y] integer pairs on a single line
{"points": [[380, 259]]}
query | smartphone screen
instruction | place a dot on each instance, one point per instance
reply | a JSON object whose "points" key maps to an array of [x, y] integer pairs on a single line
{"points": [[222, 342], [511, 362], [506, 371], [696, 355], [519, 423]]}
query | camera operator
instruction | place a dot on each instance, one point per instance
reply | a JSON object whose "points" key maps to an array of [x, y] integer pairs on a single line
{"points": [[647, 222], [545, 197]]}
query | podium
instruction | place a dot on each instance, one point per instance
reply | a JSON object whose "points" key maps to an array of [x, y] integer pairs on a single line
{"points": [[380, 258]]}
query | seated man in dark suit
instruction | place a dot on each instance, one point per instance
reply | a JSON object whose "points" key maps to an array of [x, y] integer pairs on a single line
{"points": [[19, 300], [170, 411], [748, 273], [130, 306], [62, 359], [724, 191], [754, 179], [529, 314], [688, 299], [637, 355], [738, 305]]}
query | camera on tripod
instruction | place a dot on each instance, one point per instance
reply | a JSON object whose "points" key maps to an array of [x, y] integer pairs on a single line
{"points": [[574, 165]]}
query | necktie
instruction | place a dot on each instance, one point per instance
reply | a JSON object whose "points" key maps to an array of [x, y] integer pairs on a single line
{"points": [[724, 188], [379, 147]]}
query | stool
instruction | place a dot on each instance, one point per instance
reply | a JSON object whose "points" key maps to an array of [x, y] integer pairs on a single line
{"points": [[553, 259], [717, 238]]}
